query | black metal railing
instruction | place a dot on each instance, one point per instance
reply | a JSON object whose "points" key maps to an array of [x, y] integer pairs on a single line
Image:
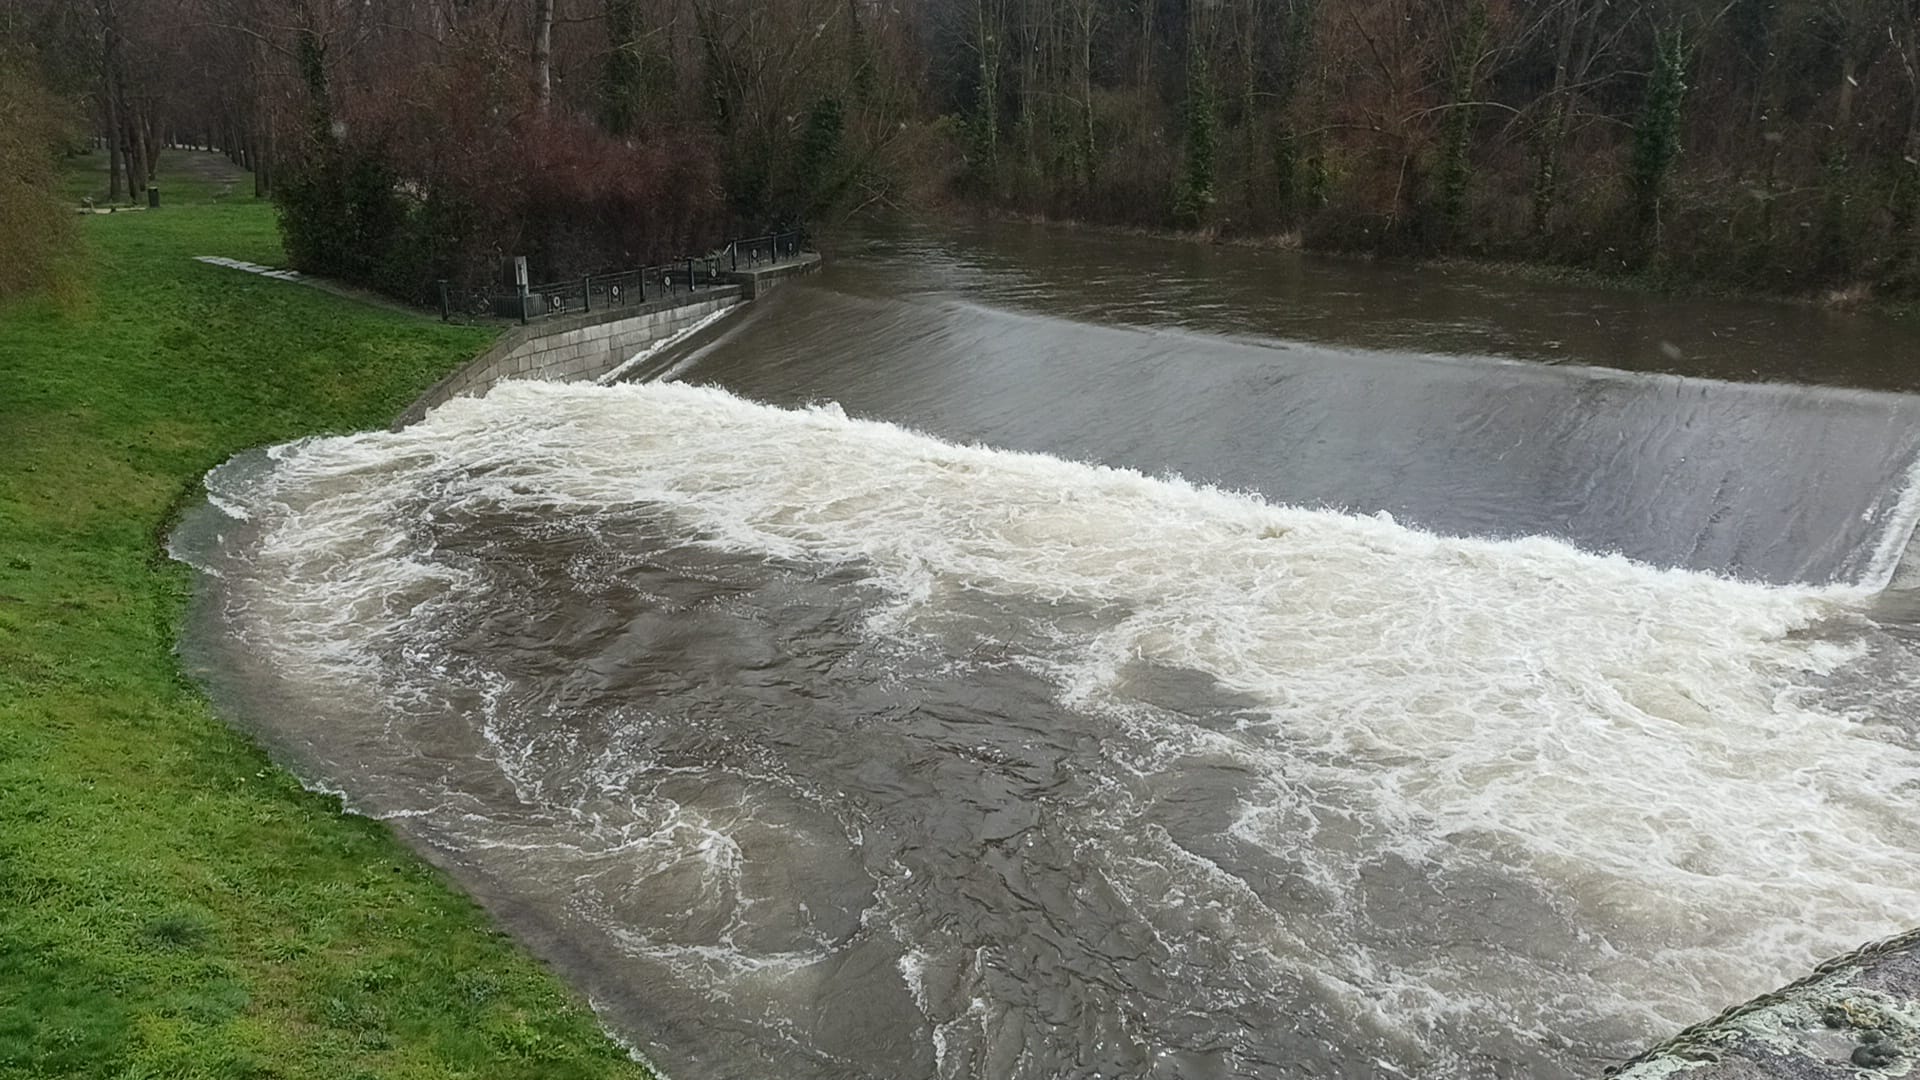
{"points": [[763, 250], [630, 288]]}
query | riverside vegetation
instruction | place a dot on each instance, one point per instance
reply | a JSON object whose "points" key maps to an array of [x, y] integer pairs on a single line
{"points": [[171, 903], [1769, 145]]}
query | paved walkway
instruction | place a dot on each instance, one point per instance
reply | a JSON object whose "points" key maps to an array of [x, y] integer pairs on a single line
{"points": [[251, 268], [279, 273]]}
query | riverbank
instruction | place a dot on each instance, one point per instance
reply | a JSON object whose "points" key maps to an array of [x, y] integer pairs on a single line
{"points": [[171, 903]]}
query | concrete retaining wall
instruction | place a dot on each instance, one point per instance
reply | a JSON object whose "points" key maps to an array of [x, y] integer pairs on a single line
{"points": [[572, 349], [578, 348]]}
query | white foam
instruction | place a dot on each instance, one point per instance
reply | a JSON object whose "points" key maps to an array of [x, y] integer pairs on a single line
{"points": [[1638, 740], [1891, 566]]}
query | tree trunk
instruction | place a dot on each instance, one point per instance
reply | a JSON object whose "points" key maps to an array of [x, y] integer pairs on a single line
{"points": [[1146, 42], [311, 53], [150, 134], [989, 37], [115, 162], [1849, 83], [1086, 89], [543, 53], [263, 169], [1457, 132], [136, 149], [1028, 91], [1250, 37], [1546, 180], [115, 80], [136, 165], [258, 110]]}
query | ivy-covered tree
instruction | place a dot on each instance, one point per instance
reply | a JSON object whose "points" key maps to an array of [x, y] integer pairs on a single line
{"points": [[1193, 201], [1656, 133]]}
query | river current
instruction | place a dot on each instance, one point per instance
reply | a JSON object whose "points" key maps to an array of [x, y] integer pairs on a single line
{"points": [[984, 662]]}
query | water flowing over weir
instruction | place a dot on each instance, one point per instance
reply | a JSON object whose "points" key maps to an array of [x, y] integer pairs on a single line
{"points": [[1771, 481], [817, 746]]}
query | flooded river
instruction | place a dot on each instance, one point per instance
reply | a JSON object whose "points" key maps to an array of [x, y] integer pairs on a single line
{"points": [[1022, 654]]}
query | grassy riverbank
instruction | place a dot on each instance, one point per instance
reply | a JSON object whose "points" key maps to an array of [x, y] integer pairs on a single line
{"points": [[171, 904]]}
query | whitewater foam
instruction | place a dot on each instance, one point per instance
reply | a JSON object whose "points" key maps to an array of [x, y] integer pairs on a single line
{"points": [[1889, 567], [658, 347], [1646, 746]]}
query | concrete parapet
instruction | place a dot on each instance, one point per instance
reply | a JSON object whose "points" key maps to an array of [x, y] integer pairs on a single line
{"points": [[759, 280], [579, 347]]}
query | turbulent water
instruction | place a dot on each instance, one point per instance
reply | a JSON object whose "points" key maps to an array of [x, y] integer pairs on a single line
{"points": [[1467, 406], [813, 746]]}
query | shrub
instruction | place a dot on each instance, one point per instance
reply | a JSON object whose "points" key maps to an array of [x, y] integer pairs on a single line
{"points": [[446, 180]]}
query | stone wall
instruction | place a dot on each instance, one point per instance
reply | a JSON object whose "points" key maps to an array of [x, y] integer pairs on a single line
{"points": [[574, 348], [578, 348]]}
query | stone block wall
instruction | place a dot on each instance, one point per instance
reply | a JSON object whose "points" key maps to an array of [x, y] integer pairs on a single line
{"points": [[572, 349], [591, 350], [578, 348]]}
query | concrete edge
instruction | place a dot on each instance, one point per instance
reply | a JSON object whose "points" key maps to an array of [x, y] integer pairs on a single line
{"points": [[760, 279], [1855, 1016]]}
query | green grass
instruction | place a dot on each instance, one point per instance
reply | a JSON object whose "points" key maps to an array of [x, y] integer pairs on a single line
{"points": [[172, 904], [186, 178]]}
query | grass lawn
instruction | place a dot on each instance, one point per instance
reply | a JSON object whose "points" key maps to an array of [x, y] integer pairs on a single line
{"points": [[171, 904]]}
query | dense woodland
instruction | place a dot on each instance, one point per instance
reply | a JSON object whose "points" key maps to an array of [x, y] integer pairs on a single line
{"points": [[1767, 144]]}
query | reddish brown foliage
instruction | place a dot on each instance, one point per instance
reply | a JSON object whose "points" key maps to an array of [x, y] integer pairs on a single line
{"points": [[447, 170]]}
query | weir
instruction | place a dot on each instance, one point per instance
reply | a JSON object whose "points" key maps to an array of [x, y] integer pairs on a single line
{"points": [[970, 736]]}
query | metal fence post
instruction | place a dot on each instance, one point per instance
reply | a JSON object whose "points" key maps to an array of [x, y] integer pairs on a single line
{"points": [[586, 293], [446, 302]]}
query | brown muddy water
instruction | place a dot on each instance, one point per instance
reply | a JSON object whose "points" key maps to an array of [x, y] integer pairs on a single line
{"points": [[1021, 654]]}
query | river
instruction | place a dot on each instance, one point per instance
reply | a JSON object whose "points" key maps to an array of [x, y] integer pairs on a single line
{"points": [[1019, 653]]}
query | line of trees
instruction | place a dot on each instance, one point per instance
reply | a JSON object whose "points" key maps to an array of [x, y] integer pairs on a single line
{"points": [[1770, 143], [410, 140], [1766, 143]]}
